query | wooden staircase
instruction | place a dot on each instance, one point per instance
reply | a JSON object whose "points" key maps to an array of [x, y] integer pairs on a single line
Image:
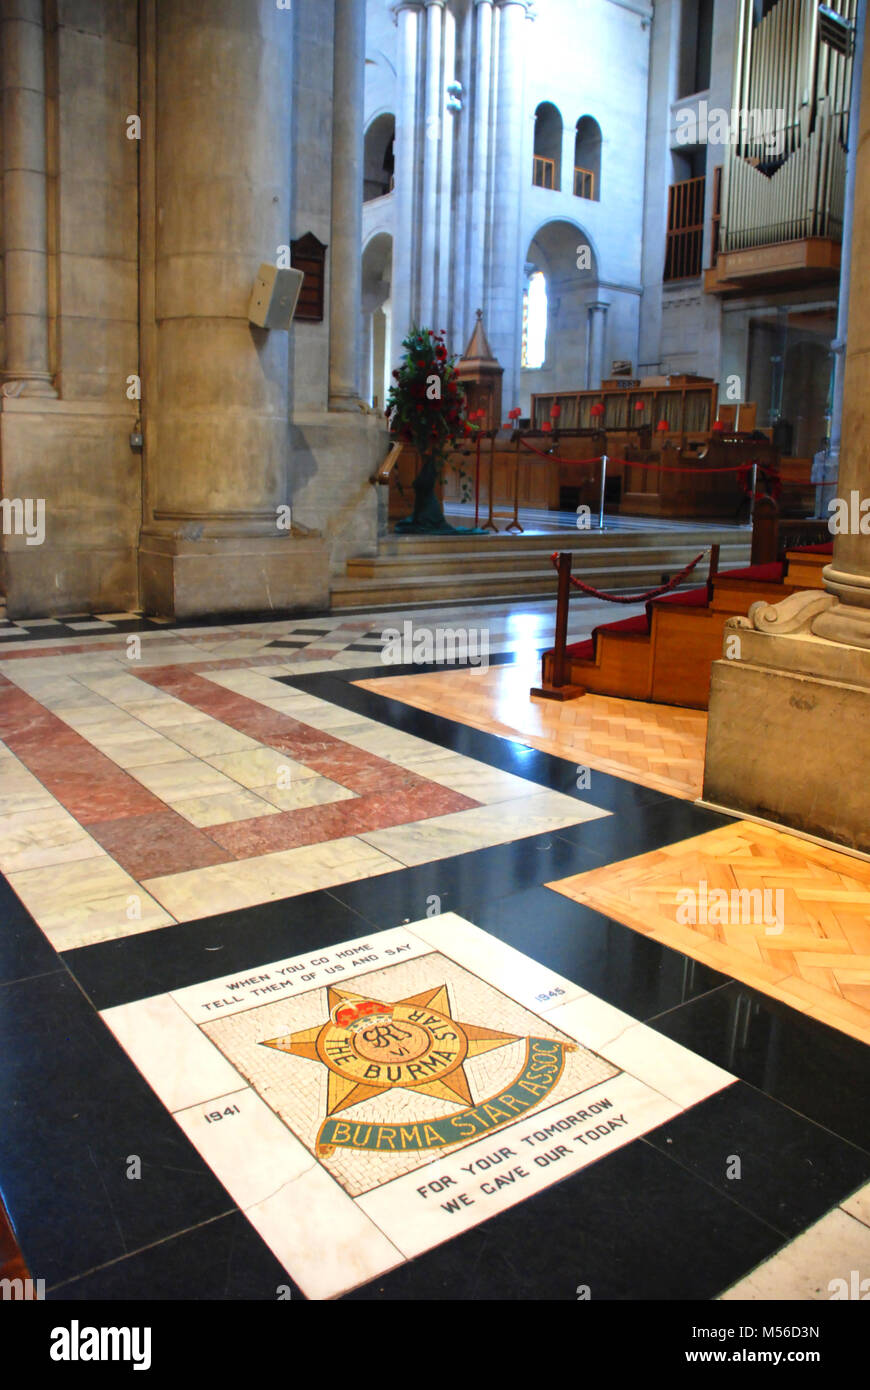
{"points": [[412, 571], [666, 656]]}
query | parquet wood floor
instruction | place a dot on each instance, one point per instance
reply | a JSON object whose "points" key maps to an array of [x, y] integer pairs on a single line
{"points": [[815, 956], [658, 746]]}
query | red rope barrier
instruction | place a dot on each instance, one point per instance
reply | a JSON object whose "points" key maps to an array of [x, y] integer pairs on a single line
{"points": [[630, 598]]}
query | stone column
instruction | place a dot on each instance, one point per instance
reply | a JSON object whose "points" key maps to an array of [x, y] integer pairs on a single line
{"points": [[215, 401], [446, 301], [507, 256], [22, 53], [345, 292], [597, 312], [434, 116], [848, 577], [409, 20], [481, 95]]}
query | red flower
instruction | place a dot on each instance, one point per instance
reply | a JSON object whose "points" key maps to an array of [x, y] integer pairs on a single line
{"points": [[546, 427], [597, 409], [662, 426], [718, 427], [515, 413], [555, 411], [639, 405]]}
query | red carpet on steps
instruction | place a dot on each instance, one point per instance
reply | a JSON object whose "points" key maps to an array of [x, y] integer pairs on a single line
{"points": [[771, 573]]}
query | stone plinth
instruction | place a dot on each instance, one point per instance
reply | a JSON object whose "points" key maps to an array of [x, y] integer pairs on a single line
{"points": [[182, 577], [788, 736]]}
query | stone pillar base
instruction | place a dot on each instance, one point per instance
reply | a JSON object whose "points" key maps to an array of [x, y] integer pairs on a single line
{"points": [[788, 737], [247, 574]]}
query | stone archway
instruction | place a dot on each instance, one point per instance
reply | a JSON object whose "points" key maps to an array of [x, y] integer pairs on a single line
{"points": [[377, 278]]}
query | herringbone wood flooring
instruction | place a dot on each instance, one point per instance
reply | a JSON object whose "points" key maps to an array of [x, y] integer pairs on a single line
{"points": [[819, 962], [658, 746]]}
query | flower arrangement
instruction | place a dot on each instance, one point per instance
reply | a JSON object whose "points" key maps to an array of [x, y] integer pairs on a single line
{"points": [[427, 405]]}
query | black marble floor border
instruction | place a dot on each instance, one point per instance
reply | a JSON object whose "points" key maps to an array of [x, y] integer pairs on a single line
{"points": [[656, 1219]]}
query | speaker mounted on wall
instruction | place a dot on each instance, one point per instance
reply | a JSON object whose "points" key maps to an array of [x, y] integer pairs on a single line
{"points": [[274, 297]]}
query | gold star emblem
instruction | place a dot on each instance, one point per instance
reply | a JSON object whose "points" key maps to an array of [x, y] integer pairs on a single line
{"points": [[371, 1046]]}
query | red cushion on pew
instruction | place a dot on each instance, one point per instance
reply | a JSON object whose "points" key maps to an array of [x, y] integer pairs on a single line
{"points": [[823, 548]]}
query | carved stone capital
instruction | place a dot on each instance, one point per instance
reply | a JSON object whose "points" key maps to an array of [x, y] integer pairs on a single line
{"points": [[793, 614]]}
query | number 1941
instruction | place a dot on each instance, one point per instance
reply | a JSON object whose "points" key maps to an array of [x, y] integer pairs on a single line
{"points": [[215, 1115]]}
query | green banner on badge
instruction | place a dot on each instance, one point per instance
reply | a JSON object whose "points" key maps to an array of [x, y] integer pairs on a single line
{"points": [[545, 1059]]}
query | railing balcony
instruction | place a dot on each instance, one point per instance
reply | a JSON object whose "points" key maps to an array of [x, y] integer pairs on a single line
{"points": [[544, 172], [584, 183]]}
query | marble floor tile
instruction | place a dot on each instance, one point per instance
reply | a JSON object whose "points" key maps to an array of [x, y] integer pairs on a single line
{"points": [[592, 1021], [173, 781], [88, 901], [123, 690], [160, 843], [168, 714], [19, 789], [308, 1218], [40, 837], [475, 829], [203, 892], [136, 749], [224, 807], [203, 740], [305, 791], [260, 767], [179, 1062], [485, 784], [254, 1158], [830, 1260]]}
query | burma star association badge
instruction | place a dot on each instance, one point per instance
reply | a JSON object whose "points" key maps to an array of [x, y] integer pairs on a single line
{"points": [[372, 1046]]}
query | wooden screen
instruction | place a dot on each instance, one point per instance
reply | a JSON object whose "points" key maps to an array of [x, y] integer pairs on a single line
{"points": [[685, 243]]}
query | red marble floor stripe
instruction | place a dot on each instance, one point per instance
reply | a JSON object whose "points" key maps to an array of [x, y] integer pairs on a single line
{"points": [[91, 787], [62, 649], [354, 768], [161, 843], [313, 824]]}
